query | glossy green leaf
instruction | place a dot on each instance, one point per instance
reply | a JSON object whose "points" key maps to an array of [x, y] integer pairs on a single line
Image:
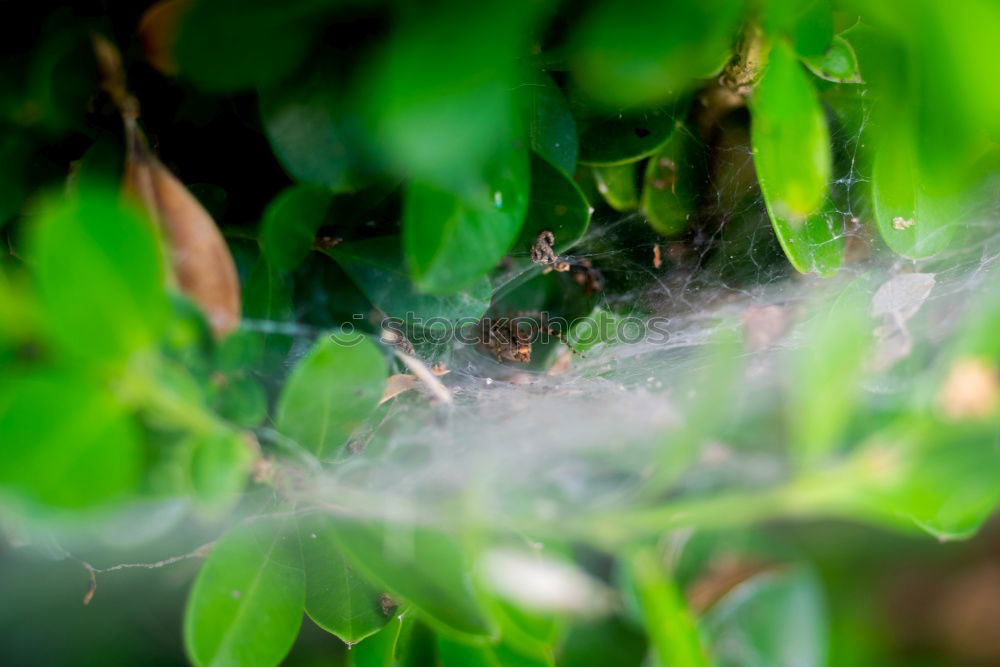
{"points": [[838, 63], [376, 267], [670, 625], [228, 45], [338, 599], [550, 125], [451, 239], [912, 221], [668, 190], [426, 568], [314, 135], [245, 607], [290, 223], [220, 469], [791, 150], [557, 205], [100, 276], [607, 140], [775, 619], [66, 442], [617, 185], [330, 392], [633, 53], [825, 374]]}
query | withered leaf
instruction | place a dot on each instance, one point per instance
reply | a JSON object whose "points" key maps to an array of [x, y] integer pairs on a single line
{"points": [[202, 264]]}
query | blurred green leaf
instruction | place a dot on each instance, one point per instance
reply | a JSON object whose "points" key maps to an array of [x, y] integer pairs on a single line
{"points": [[453, 653], [424, 567], [338, 599], [557, 205], [808, 24], [383, 648], [775, 619], [838, 63], [791, 150], [668, 190], [912, 221], [439, 91], [267, 299], [549, 122], [220, 468], [633, 53], [452, 239], [229, 45], [617, 185], [604, 642], [376, 267], [245, 607], [288, 229], [100, 276], [242, 400], [15, 151], [66, 442], [331, 391], [315, 135], [825, 373], [668, 622]]}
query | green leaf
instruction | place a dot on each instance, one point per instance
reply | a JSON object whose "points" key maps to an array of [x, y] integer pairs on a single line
{"points": [[15, 151], [100, 276], [382, 648], [439, 92], [808, 23], [229, 45], [290, 223], [838, 63], [242, 400], [66, 442], [607, 140], [633, 53], [913, 222], [267, 298], [330, 392], [245, 607], [315, 135], [823, 387], [549, 122], [453, 653], [338, 599], [938, 475], [220, 467], [668, 191], [668, 622], [557, 205], [775, 619], [452, 239], [617, 186], [426, 568], [791, 150], [376, 267]]}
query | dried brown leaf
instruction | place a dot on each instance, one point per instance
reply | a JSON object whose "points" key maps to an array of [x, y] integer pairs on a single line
{"points": [[201, 261]]}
